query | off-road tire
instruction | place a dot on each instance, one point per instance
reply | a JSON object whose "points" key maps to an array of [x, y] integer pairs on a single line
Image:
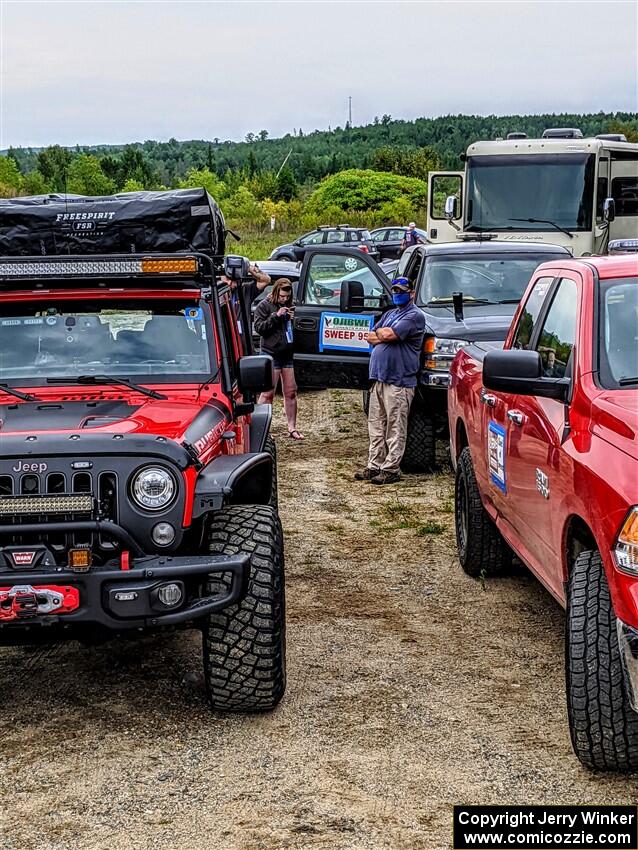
{"points": [[602, 724], [420, 447], [482, 550], [286, 258], [245, 644], [270, 448]]}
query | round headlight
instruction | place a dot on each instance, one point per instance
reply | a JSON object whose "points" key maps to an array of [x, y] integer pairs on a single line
{"points": [[153, 488]]}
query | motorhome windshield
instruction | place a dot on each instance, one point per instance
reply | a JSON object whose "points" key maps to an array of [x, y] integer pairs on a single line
{"points": [[530, 192]]}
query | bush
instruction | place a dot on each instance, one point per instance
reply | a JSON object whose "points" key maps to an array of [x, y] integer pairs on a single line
{"points": [[359, 190]]}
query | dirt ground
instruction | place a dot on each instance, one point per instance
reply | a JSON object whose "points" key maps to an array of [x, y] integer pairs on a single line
{"points": [[410, 688]]}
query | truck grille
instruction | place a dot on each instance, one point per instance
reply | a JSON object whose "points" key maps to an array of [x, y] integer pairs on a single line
{"points": [[55, 497]]}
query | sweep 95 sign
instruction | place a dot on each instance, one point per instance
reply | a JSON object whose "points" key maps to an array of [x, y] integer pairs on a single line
{"points": [[344, 332]]}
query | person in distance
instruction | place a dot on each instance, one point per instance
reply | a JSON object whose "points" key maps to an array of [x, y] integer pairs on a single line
{"points": [[273, 323]]}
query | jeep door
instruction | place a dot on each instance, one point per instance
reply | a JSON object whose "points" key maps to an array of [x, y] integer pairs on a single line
{"points": [[341, 293]]}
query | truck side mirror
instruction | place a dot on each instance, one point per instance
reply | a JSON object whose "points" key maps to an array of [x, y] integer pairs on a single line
{"points": [[256, 374], [451, 207], [609, 210], [520, 372], [351, 298]]}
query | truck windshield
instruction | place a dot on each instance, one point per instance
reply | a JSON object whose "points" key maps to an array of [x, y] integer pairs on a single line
{"points": [[147, 339], [489, 278], [619, 332], [556, 188]]}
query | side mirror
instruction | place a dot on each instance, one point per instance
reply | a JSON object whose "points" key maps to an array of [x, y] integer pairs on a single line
{"points": [[451, 207], [256, 373], [351, 298], [609, 210], [521, 372]]}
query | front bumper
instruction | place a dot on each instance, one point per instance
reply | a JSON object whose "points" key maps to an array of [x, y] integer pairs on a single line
{"points": [[117, 595], [628, 645]]}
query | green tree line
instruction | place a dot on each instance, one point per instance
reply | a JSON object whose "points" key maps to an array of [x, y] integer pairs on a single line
{"points": [[374, 174]]}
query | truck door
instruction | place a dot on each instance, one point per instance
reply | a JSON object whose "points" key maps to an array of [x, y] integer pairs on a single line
{"points": [[501, 438], [442, 185], [541, 470], [340, 295]]}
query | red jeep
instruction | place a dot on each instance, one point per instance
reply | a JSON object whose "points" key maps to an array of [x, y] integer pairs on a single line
{"points": [[544, 436], [137, 476]]}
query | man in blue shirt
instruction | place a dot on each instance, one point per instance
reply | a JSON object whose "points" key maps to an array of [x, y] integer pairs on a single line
{"points": [[397, 341]]}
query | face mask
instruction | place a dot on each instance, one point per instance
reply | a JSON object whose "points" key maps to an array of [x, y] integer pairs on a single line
{"points": [[400, 298]]}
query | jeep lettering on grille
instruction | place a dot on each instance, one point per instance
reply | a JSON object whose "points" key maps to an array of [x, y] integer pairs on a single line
{"points": [[22, 466]]}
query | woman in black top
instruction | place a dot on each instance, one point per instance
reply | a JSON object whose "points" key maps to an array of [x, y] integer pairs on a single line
{"points": [[273, 323]]}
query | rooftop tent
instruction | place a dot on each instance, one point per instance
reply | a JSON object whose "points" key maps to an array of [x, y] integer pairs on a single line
{"points": [[179, 220]]}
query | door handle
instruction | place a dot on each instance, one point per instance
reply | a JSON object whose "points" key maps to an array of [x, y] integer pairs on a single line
{"points": [[306, 324], [515, 416], [488, 399]]}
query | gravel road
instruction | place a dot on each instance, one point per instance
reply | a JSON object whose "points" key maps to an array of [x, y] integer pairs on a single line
{"points": [[411, 688]]}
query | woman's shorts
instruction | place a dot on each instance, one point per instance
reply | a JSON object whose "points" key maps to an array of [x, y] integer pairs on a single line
{"points": [[281, 361]]}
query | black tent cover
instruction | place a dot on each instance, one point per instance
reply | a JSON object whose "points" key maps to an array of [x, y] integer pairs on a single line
{"points": [[174, 221]]}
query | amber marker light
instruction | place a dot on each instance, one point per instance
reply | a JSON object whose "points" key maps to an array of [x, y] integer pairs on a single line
{"points": [[156, 265], [626, 549]]}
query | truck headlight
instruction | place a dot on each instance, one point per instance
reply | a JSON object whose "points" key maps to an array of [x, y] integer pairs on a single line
{"points": [[439, 352], [626, 549], [153, 488]]}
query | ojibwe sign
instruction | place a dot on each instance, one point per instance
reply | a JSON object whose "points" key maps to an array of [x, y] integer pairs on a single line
{"points": [[344, 332]]}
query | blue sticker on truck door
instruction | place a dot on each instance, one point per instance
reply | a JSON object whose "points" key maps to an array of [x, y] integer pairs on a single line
{"points": [[344, 332], [496, 455]]}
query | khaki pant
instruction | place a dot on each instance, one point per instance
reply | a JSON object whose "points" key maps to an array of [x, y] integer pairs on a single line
{"points": [[388, 425]]}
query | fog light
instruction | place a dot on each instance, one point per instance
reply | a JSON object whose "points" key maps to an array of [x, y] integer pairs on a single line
{"points": [[163, 534], [170, 595], [80, 560]]}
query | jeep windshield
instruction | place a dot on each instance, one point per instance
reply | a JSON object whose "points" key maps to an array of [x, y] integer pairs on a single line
{"points": [[484, 278], [144, 340], [547, 191]]}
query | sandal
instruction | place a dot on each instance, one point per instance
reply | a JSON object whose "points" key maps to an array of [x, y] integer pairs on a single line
{"points": [[296, 435]]}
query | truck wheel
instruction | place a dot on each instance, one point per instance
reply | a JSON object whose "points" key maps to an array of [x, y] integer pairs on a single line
{"points": [[366, 402], [271, 448], [482, 550], [420, 448], [245, 644], [602, 724]]}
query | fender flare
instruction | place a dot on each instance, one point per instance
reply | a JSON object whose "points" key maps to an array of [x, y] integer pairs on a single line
{"points": [[244, 479]]}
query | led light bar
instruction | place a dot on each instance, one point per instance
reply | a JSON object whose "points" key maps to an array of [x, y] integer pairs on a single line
{"points": [[43, 504], [55, 267]]}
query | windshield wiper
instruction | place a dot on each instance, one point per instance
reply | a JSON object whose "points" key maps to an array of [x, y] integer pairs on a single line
{"points": [[510, 301], [625, 382], [467, 300], [544, 221], [10, 391], [106, 379]]}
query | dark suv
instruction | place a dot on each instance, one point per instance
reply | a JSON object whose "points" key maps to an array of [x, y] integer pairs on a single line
{"points": [[468, 291], [343, 235]]}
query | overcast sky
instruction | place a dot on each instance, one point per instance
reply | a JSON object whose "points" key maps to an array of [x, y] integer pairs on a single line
{"points": [[113, 71]]}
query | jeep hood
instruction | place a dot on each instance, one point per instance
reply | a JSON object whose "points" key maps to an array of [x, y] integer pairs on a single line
{"points": [[482, 322], [180, 420]]}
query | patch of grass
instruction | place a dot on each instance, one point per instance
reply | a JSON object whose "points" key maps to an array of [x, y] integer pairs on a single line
{"points": [[447, 507], [430, 527], [335, 527], [395, 509], [482, 579]]}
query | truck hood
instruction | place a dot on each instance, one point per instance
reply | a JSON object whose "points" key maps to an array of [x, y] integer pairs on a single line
{"points": [[188, 419], [615, 419], [483, 322]]}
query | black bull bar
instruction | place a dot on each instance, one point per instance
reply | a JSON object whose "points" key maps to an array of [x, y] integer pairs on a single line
{"points": [[126, 598]]}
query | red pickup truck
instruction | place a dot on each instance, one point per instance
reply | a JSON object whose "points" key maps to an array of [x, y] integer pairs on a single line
{"points": [[544, 439]]}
